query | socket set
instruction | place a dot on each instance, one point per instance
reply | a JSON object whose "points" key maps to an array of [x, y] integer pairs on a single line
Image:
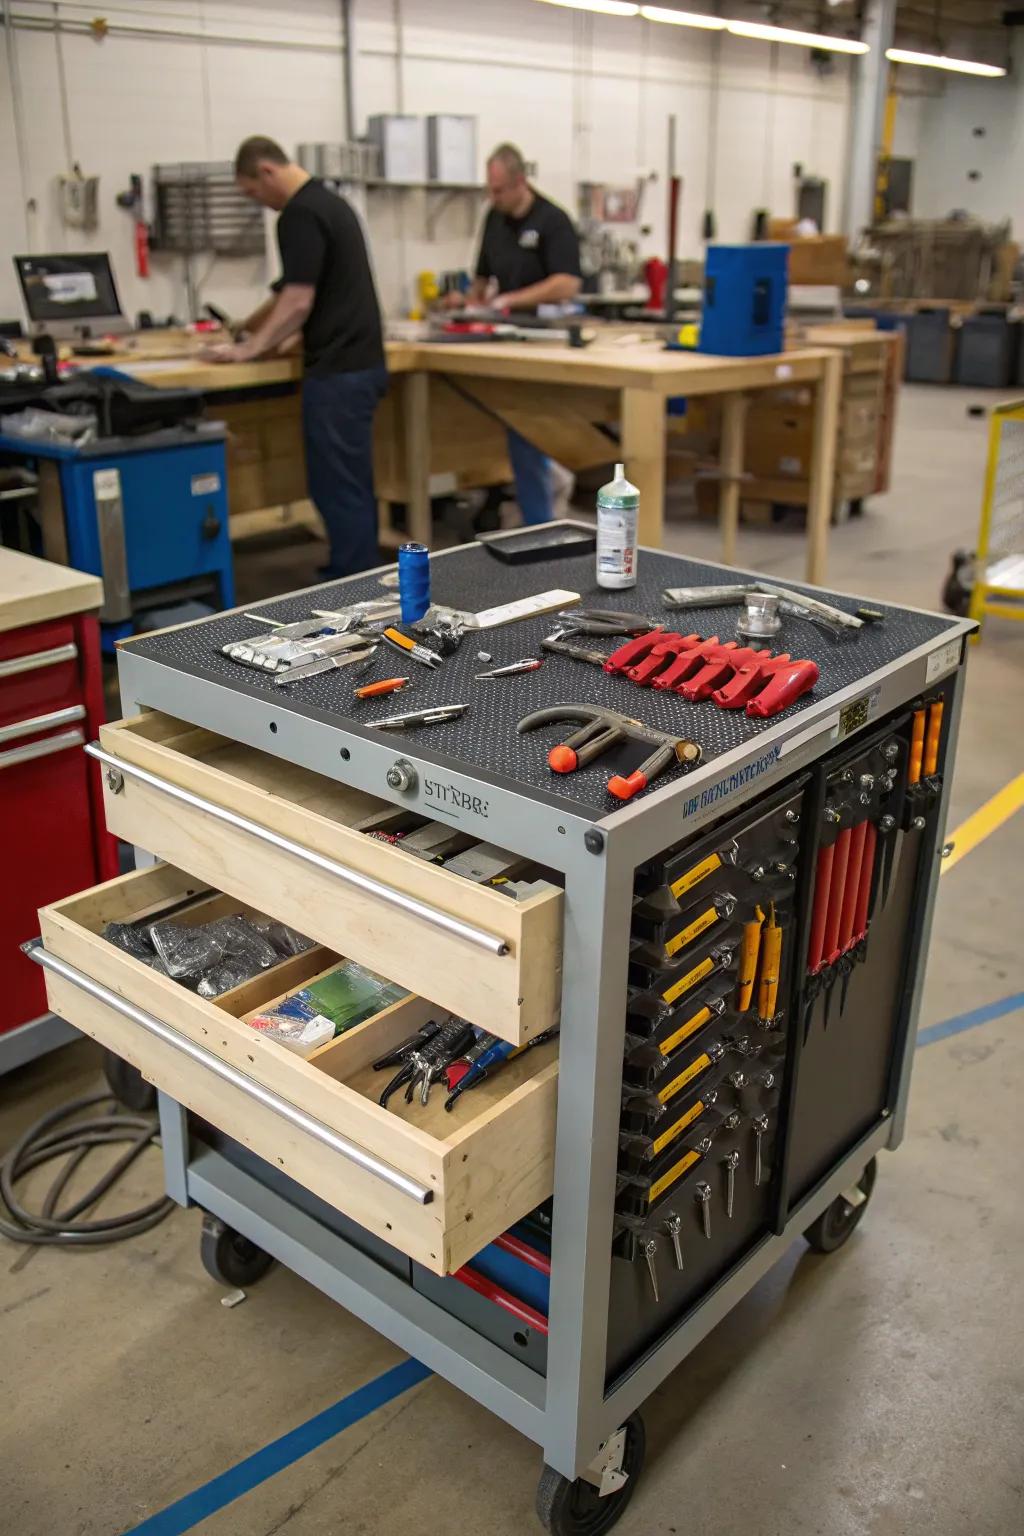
{"points": [[707, 1031]]}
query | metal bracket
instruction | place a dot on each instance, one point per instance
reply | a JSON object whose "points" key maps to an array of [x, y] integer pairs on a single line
{"points": [[605, 1471]]}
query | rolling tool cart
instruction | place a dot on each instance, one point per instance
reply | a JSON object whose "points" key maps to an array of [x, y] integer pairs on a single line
{"points": [[733, 959]]}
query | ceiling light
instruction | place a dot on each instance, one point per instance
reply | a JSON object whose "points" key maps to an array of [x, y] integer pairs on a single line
{"points": [[606, 7], [939, 61], [768, 34], [681, 18]]}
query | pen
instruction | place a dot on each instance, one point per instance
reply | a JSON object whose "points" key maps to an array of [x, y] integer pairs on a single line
{"points": [[420, 717]]}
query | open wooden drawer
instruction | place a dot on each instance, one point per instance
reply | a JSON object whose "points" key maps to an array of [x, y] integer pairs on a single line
{"points": [[438, 1185], [289, 841]]}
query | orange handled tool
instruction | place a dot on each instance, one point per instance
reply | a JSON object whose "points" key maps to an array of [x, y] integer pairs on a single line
{"points": [[916, 748], [749, 950], [931, 745], [374, 690], [771, 954]]}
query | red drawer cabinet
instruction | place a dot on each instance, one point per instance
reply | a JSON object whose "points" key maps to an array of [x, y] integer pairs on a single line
{"points": [[51, 815]]}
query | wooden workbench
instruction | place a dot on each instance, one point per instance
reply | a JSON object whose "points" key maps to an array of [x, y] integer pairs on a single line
{"points": [[447, 413], [32, 591]]}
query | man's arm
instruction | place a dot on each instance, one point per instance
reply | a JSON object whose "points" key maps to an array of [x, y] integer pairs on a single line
{"points": [[287, 315], [253, 322], [559, 288]]}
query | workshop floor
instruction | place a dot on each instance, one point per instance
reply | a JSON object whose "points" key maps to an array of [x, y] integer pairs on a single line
{"points": [[876, 1393]]}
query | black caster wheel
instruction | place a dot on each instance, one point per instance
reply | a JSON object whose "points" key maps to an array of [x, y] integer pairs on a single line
{"points": [[228, 1257], [837, 1221], [579, 1508], [959, 584], [127, 1083]]}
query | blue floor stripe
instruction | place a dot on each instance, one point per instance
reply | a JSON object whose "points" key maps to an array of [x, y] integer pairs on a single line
{"points": [[273, 1458], [962, 1021]]}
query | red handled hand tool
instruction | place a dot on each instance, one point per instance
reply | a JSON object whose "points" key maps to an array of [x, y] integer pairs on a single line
{"points": [[602, 729]]}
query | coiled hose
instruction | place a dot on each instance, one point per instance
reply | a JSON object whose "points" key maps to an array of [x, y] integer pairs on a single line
{"points": [[52, 1137]]}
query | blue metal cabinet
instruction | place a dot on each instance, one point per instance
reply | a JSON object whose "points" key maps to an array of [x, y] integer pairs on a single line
{"points": [[145, 514]]}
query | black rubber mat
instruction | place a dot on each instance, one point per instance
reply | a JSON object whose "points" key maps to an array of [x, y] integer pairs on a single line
{"points": [[485, 740]]}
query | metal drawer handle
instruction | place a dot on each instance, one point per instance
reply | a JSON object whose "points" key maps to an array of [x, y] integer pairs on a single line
{"points": [[47, 748], [38, 659], [477, 936], [42, 722], [229, 1074]]}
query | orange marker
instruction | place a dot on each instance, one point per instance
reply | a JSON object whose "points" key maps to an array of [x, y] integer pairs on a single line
{"points": [[916, 748], [931, 746], [373, 690]]}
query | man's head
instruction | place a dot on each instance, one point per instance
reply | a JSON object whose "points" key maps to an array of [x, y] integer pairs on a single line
{"points": [[264, 172], [507, 185]]}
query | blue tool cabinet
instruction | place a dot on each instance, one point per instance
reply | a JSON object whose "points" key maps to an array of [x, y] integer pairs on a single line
{"points": [[148, 514], [745, 290]]}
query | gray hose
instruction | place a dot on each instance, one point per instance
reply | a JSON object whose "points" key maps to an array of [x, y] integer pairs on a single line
{"points": [[48, 1139]]}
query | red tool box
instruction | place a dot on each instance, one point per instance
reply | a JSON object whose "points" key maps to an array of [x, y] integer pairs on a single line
{"points": [[51, 816]]}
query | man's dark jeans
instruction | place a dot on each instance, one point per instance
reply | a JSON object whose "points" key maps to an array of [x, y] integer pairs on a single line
{"points": [[337, 424]]}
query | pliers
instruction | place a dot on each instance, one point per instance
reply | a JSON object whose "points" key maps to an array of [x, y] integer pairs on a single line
{"points": [[424, 1057]]}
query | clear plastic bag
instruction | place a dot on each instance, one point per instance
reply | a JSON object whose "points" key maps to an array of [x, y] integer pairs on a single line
{"points": [[134, 941], [187, 952], [286, 941], [244, 943]]}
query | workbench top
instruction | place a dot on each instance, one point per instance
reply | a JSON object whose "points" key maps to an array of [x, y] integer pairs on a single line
{"points": [[32, 590], [484, 743], [613, 361]]}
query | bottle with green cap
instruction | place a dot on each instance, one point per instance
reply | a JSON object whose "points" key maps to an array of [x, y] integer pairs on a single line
{"points": [[618, 513]]}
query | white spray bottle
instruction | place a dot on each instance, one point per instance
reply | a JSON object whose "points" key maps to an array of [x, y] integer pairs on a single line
{"points": [[618, 514]]}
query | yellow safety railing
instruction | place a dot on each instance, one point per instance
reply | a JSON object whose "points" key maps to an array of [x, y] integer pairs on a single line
{"points": [[999, 559]]}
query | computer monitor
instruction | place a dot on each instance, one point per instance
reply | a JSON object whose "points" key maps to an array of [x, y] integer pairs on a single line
{"points": [[72, 297]]}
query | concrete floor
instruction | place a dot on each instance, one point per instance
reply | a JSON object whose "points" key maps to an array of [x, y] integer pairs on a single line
{"points": [[876, 1393]]}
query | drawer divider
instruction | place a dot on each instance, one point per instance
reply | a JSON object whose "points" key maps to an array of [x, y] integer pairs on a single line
{"points": [[478, 936], [287, 1111]]}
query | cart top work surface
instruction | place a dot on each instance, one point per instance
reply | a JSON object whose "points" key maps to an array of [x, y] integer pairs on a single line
{"points": [[483, 744]]}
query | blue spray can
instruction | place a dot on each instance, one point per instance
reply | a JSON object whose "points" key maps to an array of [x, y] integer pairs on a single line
{"points": [[413, 581]]}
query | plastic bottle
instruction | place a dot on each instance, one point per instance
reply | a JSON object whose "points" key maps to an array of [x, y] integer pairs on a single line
{"points": [[413, 581], [618, 513]]}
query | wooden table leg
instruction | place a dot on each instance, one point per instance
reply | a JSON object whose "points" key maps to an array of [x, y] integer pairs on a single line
{"points": [[643, 453], [416, 429], [821, 491], [734, 420]]}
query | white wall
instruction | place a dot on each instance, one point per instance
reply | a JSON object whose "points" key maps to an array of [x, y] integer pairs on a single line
{"points": [[585, 96], [936, 115]]}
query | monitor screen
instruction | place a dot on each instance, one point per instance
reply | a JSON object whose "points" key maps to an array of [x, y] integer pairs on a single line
{"points": [[68, 288]]}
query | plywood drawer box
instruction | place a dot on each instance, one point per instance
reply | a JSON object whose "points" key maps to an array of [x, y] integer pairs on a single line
{"points": [[437, 1185], [288, 841]]}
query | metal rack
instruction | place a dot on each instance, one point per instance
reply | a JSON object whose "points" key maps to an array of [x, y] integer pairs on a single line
{"points": [[198, 208], [577, 1407]]}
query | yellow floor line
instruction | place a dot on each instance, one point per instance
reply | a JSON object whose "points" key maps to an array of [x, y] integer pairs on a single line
{"points": [[986, 820]]}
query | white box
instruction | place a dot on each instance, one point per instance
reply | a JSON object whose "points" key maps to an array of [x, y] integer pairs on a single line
{"points": [[402, 142], [451, 143]]}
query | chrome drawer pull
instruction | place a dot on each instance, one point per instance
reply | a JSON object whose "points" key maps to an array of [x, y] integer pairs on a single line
{"points": [[371, 887], [229, 1074], [47, 748], [38, 659], [42, 722]]}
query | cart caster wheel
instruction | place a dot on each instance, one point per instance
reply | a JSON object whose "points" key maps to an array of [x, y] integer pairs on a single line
{"points": [[228, 1257], [837, 1221], [579, 1508], [127, 1083]]}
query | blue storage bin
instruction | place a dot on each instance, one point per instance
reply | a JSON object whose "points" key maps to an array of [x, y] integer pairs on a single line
{"points": [[744, 299]]}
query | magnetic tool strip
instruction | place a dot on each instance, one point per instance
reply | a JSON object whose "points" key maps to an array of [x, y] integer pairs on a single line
{"points": [[484, 742]]}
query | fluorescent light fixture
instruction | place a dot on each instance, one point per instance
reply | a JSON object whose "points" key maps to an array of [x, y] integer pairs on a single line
{"points": [[940, 61], [682, 18], [767, 34], [605, 7]]}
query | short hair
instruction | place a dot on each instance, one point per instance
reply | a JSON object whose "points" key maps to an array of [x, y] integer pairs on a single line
{"points": [[255, 149], [510, 157]]}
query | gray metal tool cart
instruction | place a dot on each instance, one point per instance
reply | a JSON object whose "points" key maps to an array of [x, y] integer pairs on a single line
{"points": [[734, 957]]}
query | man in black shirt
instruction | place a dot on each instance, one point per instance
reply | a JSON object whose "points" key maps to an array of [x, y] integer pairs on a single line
{"points": [[325, 290], [529, 255]]}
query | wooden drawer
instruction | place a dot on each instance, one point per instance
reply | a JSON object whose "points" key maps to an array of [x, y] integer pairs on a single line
{"points": [[289, 841], [437, 1185]]}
